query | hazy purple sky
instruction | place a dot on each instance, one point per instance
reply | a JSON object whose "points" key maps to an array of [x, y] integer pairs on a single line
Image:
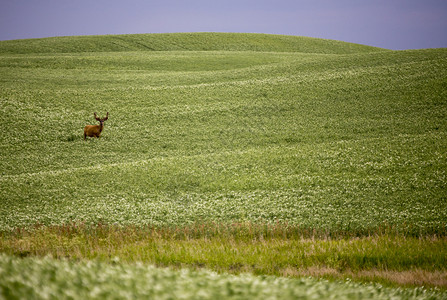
{"points": [[393, 24]]}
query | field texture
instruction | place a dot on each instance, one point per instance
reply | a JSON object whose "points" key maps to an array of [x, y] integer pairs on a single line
{"points": [[320, 137], [54, 279], [333, 141]]}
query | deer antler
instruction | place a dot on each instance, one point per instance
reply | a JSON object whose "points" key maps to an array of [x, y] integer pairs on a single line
{"points": [[96, 117], [105, 119]]}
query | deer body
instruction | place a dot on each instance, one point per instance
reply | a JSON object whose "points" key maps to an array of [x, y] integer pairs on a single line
{"points": [[95, 130]]}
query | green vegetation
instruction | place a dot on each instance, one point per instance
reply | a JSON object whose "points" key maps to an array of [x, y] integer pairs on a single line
{"points": [[334, 142], [337, 144], [183, 42], [60, 279], [259, 249]]}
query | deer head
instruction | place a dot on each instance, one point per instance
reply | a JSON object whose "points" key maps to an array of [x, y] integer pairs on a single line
{"points": [[101, 121]]}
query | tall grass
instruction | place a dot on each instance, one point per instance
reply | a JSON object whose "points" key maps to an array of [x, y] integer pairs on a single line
{"points": [[259, 249]]}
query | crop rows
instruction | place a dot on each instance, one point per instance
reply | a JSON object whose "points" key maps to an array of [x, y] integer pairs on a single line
{"points": [[335, 145], [347, 186]]}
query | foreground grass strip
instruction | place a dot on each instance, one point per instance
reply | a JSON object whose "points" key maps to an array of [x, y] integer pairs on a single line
{"points": [[48, 278], [238, 248]]}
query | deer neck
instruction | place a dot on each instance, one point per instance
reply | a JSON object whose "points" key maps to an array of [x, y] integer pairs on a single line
{"points": [[101, 126]]}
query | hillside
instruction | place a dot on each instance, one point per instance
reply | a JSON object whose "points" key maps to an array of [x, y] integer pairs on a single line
{"points": [[224, 135], [274, 155], [212, 127], [181, 42]]}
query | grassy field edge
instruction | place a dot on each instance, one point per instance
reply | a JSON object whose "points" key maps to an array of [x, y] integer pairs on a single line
{"points": [[43, 278], [387, 258]]}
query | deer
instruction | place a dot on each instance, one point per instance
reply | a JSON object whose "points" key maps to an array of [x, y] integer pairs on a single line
{"points": [[95, 130]]}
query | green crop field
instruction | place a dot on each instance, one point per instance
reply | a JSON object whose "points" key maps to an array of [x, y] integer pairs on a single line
{"points": [[216, 143]]}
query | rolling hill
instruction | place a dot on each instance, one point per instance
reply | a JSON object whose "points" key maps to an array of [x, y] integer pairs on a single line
{"points": [[319, 136], [224, 135], [182, 42]]}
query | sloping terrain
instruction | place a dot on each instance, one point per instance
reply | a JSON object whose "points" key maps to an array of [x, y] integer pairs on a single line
{"points": [[316, 137], [182, 42], [329, 141]]}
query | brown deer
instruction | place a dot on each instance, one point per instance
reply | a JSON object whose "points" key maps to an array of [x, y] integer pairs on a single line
{"points": [[95, 130]]}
